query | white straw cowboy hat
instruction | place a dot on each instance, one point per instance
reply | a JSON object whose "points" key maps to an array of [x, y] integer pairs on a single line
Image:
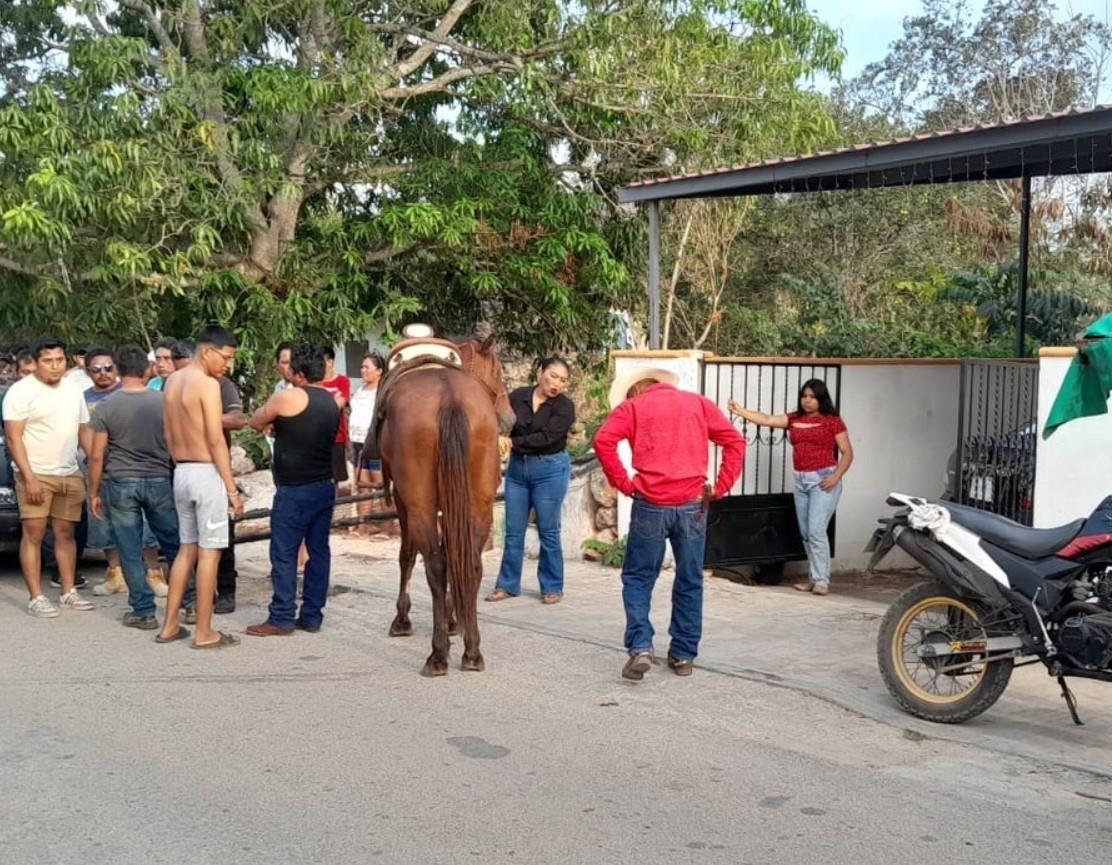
{"points": [[626, 379]]}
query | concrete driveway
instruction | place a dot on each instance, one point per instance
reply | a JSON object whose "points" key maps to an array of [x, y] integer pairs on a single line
{"points": [[331, 748]]}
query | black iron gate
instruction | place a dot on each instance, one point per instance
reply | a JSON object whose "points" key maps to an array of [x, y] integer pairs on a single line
{"points": [[993, 467], [756, 523]]}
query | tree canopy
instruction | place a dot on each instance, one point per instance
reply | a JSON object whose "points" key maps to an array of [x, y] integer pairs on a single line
{"points": [[328, 167]]}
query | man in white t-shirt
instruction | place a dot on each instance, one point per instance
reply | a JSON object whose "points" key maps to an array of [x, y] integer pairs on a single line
{"points": [[46, 419], [77, 374]]}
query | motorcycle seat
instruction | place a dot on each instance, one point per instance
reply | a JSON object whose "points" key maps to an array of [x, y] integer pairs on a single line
{"points": [[1012, 536]]}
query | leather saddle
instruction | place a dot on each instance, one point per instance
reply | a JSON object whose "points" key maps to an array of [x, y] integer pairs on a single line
{"points": [[406, 356], [411, 349]]}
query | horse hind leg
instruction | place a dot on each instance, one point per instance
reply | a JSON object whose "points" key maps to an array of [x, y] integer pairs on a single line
{"points": [[436, 569], [402, 626], [472, 660]]}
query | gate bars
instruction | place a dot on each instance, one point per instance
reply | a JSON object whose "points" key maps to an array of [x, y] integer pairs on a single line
{"points": [[993, 468], [769, 385]]}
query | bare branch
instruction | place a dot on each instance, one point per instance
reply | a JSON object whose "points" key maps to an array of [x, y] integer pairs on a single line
{"points": [[154, 24], [443, 81], [417, 59]]}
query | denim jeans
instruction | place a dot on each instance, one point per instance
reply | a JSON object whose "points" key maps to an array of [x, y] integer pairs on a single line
{"points": [[538, 482], [685, 527], [130, 501], [300, 513], [813, 508]]}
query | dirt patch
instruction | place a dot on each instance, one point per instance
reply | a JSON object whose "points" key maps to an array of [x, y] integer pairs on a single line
{"points": [[880, 586]]}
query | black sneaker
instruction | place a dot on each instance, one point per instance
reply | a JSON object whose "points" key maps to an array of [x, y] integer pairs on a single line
{"points": [[301, 626], [224, 604], [143, 623], [637, 665], [78, 582]]}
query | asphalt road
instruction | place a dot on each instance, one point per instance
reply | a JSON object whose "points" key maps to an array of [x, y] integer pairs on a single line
{"points": [[331, 748]]}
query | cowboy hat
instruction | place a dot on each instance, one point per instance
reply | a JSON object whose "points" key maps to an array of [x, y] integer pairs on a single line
{"points": [[627, 378]]}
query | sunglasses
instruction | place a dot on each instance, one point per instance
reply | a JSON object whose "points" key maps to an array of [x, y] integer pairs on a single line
{"points": [[108, 367]]}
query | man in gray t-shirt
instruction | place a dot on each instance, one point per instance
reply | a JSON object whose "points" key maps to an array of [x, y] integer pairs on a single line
{"points": [[130, 476]]}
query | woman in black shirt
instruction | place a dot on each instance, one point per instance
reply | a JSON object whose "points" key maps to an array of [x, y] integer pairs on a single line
{"points": [[537, 478]]}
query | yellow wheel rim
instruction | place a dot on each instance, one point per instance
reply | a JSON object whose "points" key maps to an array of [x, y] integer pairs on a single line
{"points": [[940, 619]]}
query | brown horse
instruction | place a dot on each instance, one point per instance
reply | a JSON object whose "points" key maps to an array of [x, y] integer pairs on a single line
{"points": [[439, 447]]}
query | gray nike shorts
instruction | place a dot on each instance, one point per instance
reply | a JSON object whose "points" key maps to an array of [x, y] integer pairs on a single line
{"points": [[202, 505]]}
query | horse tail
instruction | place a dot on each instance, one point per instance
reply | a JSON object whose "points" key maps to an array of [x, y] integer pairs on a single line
{"points": [[458, 536]]}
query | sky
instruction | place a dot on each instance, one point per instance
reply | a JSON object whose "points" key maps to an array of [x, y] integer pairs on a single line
{"points": [[870, 26]]}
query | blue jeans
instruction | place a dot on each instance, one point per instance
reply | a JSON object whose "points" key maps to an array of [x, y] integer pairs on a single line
{"points": [[685, 527], [300, 513], [131, 502], [539, 482], [813, 508]]}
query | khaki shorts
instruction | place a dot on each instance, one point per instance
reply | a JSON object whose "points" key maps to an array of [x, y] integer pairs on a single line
{"points": [[63, 498]]}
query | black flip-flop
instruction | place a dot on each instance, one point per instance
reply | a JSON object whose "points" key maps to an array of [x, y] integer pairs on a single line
{"points": [[224, 641], [182, 634]]}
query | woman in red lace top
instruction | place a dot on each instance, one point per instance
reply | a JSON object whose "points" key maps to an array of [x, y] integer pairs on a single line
{"points": [[821, 455]]}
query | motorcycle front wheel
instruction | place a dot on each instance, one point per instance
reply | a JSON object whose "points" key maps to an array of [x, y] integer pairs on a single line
{"points": [[945, 688]]}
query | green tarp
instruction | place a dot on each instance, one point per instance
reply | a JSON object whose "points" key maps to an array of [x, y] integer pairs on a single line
{"points": [[1088, 382]]}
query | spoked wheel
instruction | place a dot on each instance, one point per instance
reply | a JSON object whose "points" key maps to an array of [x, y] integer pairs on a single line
{"points": [[948, 688]]}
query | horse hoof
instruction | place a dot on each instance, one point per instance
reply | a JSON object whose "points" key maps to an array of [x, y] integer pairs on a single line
{"points": [[434, 669], [401, 630], [473, 665]]}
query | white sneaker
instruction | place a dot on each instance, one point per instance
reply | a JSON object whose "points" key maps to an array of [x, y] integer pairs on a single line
{"points": [[41, 608], [73, 601]]}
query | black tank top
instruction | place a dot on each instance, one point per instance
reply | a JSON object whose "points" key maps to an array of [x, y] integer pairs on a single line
{"points": [[303, 443]]}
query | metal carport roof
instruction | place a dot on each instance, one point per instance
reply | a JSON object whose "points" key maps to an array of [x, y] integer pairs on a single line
{"points": [[1076, 142]]}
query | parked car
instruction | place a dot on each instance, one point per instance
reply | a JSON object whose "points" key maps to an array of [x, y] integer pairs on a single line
{"points": [[9, 510]]}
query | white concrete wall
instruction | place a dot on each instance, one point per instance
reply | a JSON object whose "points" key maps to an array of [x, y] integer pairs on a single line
{"points": [[1074, 466], [902, 420]]}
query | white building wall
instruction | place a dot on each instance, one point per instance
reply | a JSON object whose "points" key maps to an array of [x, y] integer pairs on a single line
{"points": [[902, 419], [1074, 467]]}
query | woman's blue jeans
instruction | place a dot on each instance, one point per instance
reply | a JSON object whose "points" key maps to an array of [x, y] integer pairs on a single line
{"points": [[813, 508], [537, 482], [650, 526]]}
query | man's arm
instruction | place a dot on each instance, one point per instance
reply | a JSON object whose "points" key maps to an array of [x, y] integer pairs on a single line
{"points": [[232, 417], [85, 438], [279, 405], [617, 427], [211, 415], [18, 452], [722, 433], [96, 470]]}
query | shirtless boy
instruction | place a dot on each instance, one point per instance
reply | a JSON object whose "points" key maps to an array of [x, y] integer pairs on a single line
{"points": [[204, 489]]}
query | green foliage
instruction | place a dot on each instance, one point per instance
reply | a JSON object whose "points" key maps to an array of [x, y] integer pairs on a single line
{"points": [[255, 446], [613, 554], [317, 168]]}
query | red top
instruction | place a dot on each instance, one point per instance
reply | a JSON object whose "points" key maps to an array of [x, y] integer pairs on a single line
{"points": [[812, 438], [340, 384], [668, 430]]}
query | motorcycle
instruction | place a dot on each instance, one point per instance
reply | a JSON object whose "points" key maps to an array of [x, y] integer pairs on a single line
{"points": [[1001, 595]]}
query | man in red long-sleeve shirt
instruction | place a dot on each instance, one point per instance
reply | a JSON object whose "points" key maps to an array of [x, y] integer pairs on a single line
{"points": [[668, 430]]}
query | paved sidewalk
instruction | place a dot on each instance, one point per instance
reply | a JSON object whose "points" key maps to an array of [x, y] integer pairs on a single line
{"points": [[825, 647]]}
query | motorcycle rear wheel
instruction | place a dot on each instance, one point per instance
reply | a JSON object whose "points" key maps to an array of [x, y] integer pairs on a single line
{"points": [[949, 689]]}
